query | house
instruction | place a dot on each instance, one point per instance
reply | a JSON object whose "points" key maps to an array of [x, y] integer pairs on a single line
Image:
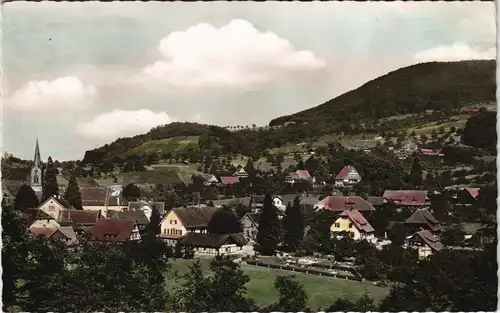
{"points": [[139, 217], [210, 180], [39, 219], [80, 220], [425, 242], [64, 233], [229, 180], [54, 206], [348, 176], [250, 226], [241, 173], [146, 207], [355, 224], [214, 244], [343, 203], [293, 177], [407, 198], [115, 230], [101, 199], [181, 221], [468, 196], [429, 152], [423, 219]]}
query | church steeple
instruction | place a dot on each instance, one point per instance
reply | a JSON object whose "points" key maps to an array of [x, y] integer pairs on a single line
{"points": [[37, 159], [36, 170]]}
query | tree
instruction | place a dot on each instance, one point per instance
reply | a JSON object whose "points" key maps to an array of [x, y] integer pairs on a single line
{"points": [[397, 235], [250, 169], [131, 192], [224, 221], [453, 237], [292, 296], [154, 222], [416, 172], [269, 230], [50, 187], [25, 198], [293, 225], [72, 194]]}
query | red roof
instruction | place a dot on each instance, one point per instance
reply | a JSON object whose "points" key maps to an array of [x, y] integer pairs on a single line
{"points": [[344, 172], [342, 203], [474, 192], [430, 152], [79, 217], [229, 180], [112, 230], [43, 231], [359, 221], [406, 197], [303, 174]]}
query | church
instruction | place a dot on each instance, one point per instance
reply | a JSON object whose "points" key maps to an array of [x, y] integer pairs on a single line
{"points": [[36, 173]]}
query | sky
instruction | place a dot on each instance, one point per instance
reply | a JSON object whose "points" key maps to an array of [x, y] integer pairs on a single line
{"points": [[81, 75]]}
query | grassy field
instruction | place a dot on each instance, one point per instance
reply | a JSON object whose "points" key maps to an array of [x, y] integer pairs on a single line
{"points": [[322, 291], [158, 176], [169, 145]]}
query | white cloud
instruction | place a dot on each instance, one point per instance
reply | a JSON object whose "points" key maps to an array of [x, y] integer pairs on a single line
{"points": [[121, 123], [455, 52], [236, 54], [62, 93]]}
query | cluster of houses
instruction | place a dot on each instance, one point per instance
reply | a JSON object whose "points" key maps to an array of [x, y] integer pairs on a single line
{"points": [[108, 217]]}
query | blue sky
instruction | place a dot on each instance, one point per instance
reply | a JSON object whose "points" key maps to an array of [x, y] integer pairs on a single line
{"points": [[80, 75]]}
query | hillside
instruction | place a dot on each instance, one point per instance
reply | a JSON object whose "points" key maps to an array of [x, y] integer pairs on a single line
{"points": [[413, 89]]}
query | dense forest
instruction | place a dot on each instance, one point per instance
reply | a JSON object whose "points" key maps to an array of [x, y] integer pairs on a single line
{"points": [[413, 89]]}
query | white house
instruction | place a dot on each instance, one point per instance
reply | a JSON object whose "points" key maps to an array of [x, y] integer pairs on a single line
{"points": [[348, 176], [214, 244]]}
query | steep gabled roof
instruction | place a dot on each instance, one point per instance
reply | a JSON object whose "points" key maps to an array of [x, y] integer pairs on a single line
{"points": [[344, 172], [94, 196], [69, 233], [342, 203], [211, 240], [432, 241], [254, 217], [358, 220], [195, 217], [422, 216], [406, 197], [112, 230], [304, 174], [474, 192]]}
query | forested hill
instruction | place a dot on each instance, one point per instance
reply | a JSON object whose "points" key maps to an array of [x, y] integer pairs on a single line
{"points": [[412, 89]]}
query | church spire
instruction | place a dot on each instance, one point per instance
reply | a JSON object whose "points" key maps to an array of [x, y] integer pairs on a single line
{"points": [[37, 159]]}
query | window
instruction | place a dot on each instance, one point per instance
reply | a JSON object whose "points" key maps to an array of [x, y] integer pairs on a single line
{"points": [[337, 225], [171, 222], [180, 232], [165, 231], [350, 225], [52, 208], [175, 222]]}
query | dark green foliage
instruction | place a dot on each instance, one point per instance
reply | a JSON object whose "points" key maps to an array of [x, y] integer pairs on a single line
{"points": [[453, 237], [480, 131], [224, 221], [50, 187], [416, 173], [398, 234], [73, 195], [293, 225], [487, 198], [25, 198], [292, 296], [416, 88], [449, 281], [269, 230], [222, 291], [154, 226], [131, 192]]}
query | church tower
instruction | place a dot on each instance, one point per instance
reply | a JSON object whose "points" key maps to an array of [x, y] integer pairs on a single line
{"points": [[36, 170]]}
